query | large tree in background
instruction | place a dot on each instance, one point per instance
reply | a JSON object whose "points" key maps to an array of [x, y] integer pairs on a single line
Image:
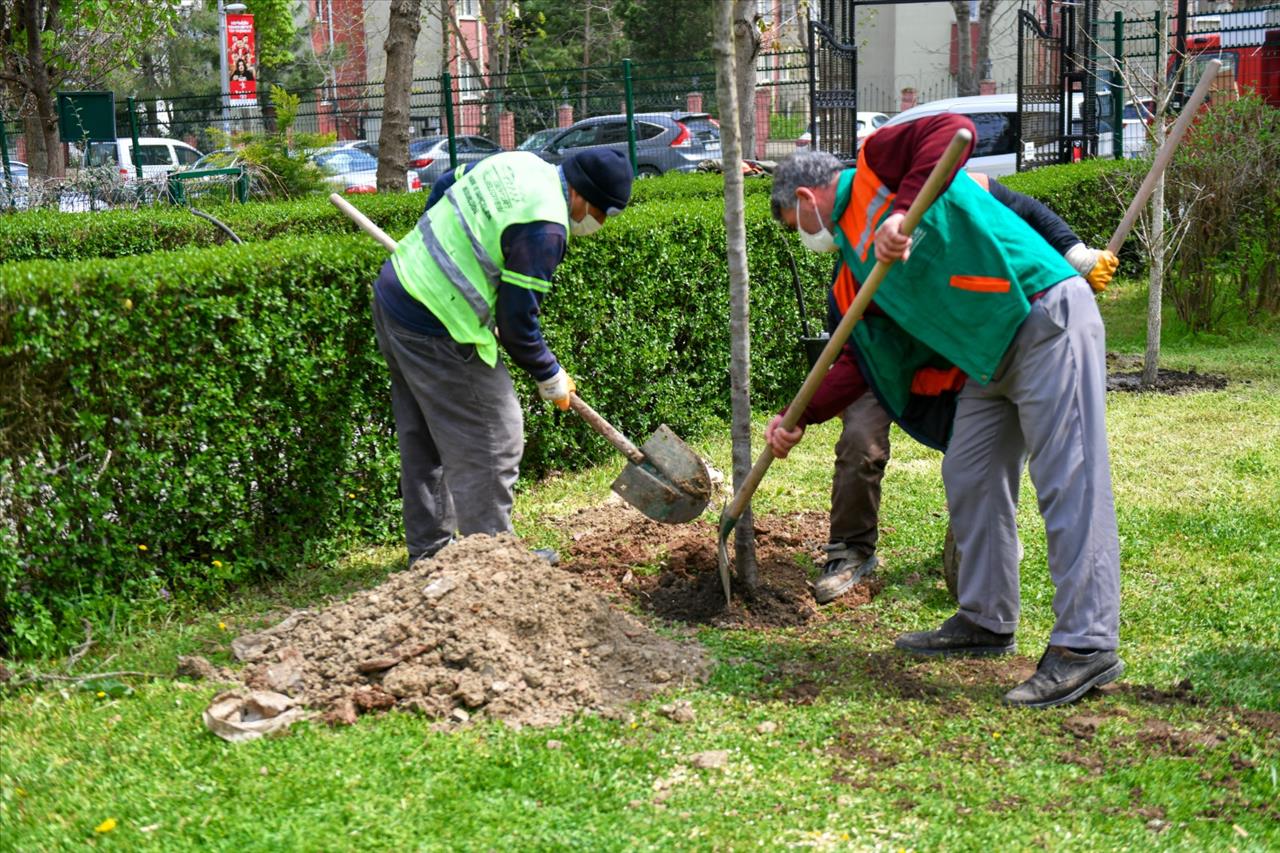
{"points": [[274, 34], [969, 54], [746, 48], [393, 139], [49, 45], [666, 30]]}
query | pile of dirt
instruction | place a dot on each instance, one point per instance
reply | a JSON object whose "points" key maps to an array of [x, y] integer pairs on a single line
{"points": [[671, 570], [485, 627]]}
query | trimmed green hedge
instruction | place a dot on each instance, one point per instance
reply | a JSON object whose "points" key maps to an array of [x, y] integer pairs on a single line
{"points": [[227, 407], [50, 235]]}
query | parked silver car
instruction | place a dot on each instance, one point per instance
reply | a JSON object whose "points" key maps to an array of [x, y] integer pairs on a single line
{"points": [[665, 142], [429, 156]]}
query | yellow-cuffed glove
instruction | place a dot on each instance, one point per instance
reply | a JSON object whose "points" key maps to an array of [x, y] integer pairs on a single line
{"points": [[557, 389], [1105, 267]]}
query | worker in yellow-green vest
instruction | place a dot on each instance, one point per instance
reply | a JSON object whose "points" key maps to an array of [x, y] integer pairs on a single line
{"points": [[473, 273], [983, 340]]}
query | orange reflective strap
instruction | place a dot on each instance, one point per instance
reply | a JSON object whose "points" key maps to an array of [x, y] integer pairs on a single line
{"points": [[981, 283], [868, 200], [845, 288], [932, 381]]}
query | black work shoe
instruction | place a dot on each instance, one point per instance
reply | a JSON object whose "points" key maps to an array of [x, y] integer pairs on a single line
{"points": [[1064, 676], [547, 555], [844, 568], [957, 636]]}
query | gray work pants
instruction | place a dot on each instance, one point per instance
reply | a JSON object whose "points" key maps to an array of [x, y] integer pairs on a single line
{"points": [[861, 455], [461, 436], [1047, 401]]}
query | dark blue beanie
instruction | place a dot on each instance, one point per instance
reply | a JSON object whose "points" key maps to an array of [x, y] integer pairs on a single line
{"points": [[602, 176]]}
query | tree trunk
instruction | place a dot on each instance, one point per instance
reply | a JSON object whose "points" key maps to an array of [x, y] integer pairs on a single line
{"points": [[393, 137], [1155, 290], [965, 84], [986, 11], [739, 281], [746, 47], [48, 160]]}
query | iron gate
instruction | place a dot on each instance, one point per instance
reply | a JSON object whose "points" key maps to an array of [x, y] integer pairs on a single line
{"points": [[1057, 83], [833, 81]]}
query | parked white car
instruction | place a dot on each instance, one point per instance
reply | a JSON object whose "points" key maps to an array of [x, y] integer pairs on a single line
{"points": [[159, 156], [865, 124], [994, 116], [356, 171]]}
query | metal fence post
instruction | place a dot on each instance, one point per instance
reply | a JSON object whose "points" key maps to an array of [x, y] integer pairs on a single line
{"points": [[1117, 90], [631, 116], [8, 169], [133, 131], [446, 86]]}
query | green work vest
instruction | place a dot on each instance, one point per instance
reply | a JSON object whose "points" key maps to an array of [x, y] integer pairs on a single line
{"points": [[961, 295], [452, 260]]}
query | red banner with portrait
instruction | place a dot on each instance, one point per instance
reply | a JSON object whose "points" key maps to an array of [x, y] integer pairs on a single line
{"points": [[242, 61]]}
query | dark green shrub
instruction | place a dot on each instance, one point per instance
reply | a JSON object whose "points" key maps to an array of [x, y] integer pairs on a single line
{"points": [[1226, 195], [227, 407], [51, 235]]}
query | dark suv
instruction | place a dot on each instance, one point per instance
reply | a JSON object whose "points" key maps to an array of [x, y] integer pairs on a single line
{"points": [[664, 141]]}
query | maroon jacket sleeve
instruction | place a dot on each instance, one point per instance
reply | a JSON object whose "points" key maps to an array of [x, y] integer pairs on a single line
{"points": [[842, 385], [903, 155]]}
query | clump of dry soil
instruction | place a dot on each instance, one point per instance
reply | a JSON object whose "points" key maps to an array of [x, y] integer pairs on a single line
{"points": [[484, 628]]}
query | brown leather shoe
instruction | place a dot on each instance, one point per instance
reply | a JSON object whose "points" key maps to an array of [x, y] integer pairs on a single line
{"points": [[957, 636]]}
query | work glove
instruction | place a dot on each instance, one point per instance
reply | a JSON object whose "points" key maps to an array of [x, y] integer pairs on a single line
{"points": [[1100, 276], [557, 389], [1096, 265]]}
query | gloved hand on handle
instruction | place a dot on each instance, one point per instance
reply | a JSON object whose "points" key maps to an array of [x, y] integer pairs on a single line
{"points": [[1096, 265], [557, 388]]}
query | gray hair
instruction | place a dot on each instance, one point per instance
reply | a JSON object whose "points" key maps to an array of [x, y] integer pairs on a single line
{"points": [[801, 169]]}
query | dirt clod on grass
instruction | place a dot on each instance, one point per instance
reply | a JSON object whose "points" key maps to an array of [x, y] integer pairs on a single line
{"points": [[484, 628]]}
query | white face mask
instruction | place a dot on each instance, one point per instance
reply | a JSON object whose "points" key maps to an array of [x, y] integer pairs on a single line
{"points": [[821, 242], [585, 227]]}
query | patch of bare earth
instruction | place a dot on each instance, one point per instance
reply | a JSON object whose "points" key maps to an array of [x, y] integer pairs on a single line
{"points": [[672, 571], [1124, 373], [484, 628]]}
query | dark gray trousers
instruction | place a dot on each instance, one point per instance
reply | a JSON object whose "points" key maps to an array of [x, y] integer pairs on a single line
{"points": [[1048, 404], [861, 455], [461, 435]]}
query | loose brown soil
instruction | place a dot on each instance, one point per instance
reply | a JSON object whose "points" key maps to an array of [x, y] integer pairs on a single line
{"points": [[672, 571], [1124, 373], [483, 628]]}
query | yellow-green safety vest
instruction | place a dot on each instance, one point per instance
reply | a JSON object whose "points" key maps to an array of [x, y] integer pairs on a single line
{"points": [[452, 260]]}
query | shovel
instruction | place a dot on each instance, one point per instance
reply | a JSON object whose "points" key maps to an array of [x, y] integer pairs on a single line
{"points": [[664, 479], [729, 517]]}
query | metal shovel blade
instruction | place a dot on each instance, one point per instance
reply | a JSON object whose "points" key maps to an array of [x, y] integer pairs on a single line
{"points": [[671, 485]]}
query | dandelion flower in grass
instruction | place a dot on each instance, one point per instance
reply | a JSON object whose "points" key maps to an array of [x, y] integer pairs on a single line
{"points": [[101, 695], [106, 826], [351, 495], [142, 547], [222, 626], [217, 564], [995, 735]]}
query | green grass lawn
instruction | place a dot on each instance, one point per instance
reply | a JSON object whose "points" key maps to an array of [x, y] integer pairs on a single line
{"points": [[869, 750]]}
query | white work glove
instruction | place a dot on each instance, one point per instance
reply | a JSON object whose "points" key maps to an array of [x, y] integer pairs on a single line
{"points": [[557, 389], [1081, 258]]}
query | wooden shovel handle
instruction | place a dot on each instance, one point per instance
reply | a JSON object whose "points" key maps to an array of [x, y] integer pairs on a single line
{"points": [[932, 187], [1164, 155], [600, 425], [365, 223]]}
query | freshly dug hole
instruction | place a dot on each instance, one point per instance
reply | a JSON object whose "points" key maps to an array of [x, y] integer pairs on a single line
{"points": [[485, 627]]}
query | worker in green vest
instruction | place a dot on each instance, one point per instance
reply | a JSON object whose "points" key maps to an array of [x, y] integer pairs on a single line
{"points": [[473, 273], [984, 341]]}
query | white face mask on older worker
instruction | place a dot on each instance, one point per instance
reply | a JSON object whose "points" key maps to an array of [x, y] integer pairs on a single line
{"points": [[586, 226], [822, 242]]}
